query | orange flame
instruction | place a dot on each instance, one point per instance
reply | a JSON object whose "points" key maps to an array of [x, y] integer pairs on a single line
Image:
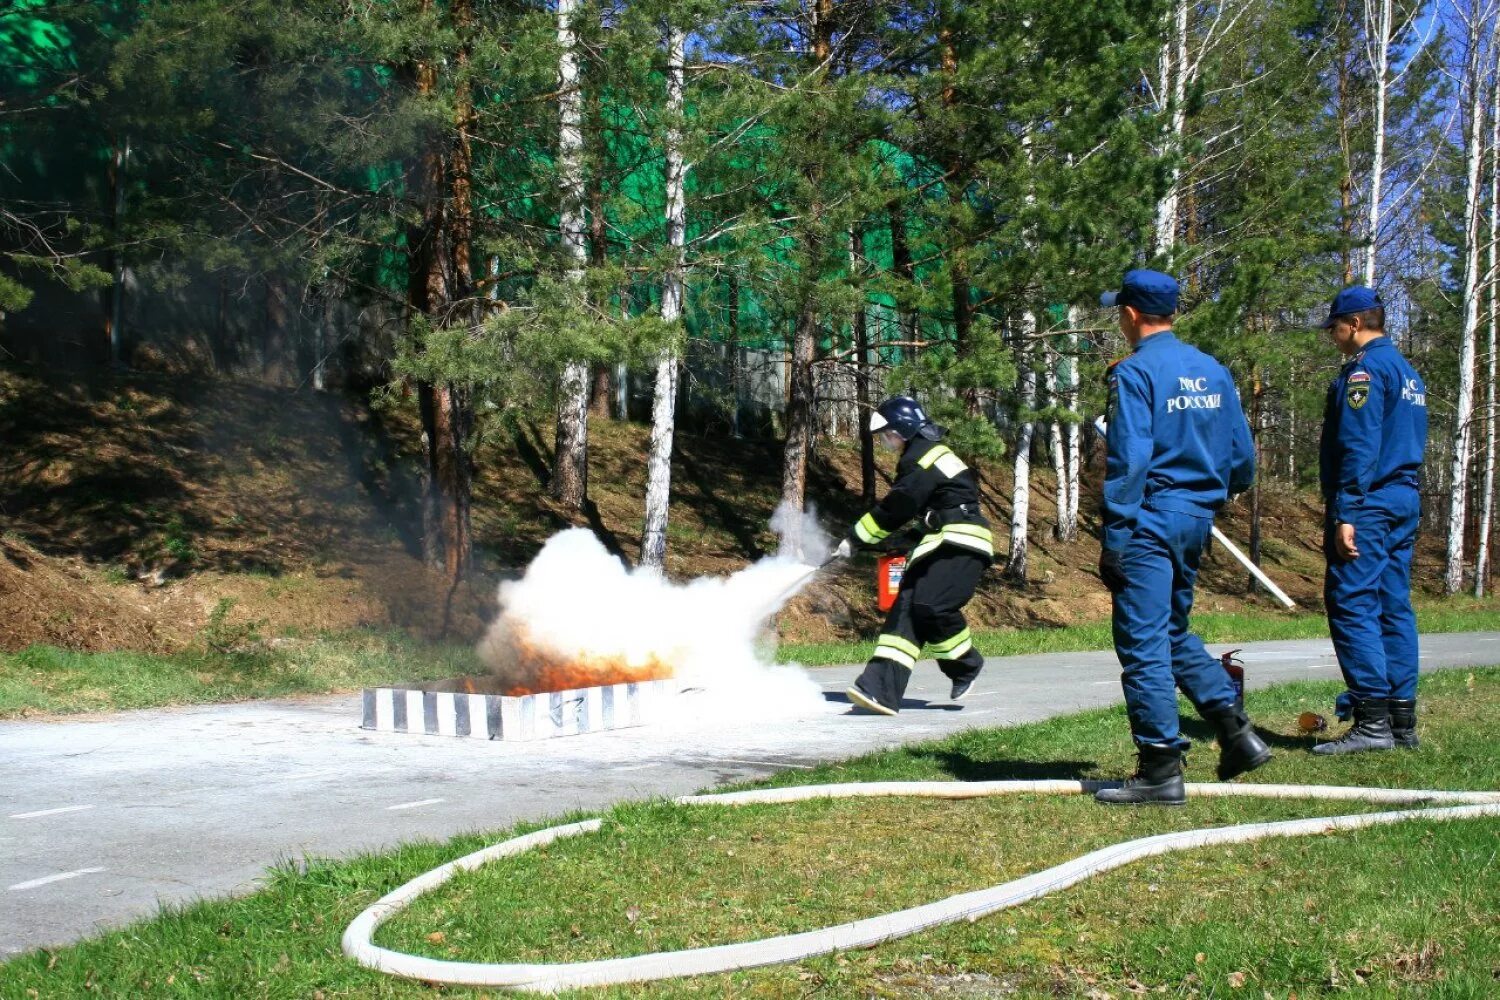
{"points": [[536, 670]]}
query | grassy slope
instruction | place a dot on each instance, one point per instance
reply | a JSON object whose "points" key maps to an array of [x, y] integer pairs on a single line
{"points": [[301, 507], [49, 680], [1406, 910]]}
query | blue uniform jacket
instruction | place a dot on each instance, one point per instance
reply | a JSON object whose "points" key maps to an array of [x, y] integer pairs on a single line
{"points": [[1374, 429], [1177, 438]]}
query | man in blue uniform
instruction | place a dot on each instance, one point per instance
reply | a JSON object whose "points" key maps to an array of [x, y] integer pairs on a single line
{"points": [[1178, 446], [934, 486], [1374, 435]]}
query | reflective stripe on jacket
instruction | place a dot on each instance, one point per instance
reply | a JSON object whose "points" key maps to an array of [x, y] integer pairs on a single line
{"points": [[930, 477]]}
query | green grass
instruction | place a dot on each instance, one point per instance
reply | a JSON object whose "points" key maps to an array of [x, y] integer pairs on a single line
{"points": [[49, 680], [1407, 910], [1458, 615]]}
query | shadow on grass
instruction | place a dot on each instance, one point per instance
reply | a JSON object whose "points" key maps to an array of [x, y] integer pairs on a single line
{"points": [[730, 515], [530, 452], [1202, 734], [965, 768], [607, 538]]}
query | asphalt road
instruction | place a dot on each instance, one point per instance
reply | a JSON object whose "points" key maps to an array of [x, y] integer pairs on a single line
{"points": [[102, 818]]}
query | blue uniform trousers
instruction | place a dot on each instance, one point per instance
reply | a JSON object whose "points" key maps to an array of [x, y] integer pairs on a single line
{"points": [[1157, 652], [1368, 599]]}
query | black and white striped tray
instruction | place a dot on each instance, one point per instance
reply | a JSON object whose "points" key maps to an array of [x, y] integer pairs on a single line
{"points": [[502, 717]]}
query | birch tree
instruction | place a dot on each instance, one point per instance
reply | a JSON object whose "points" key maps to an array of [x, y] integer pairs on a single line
{"points": [[1382, 38], [1020, 507], [1067, 530], [1055, 440], [1378, 16], [663, 406], [1487, 491], [1477, 23], [1176, 69], [570, 464], [1184, 49]]}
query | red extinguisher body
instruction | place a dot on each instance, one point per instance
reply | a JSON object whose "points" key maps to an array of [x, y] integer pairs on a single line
{"points": [[1235, 668], [889, 570]]}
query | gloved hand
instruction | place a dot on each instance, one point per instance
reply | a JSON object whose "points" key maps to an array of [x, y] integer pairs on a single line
{"points": [[1110, 570], [845, 550]]}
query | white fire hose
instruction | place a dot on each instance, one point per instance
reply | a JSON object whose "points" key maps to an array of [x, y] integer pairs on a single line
{"points": [[1240, 557], [543, 978]]}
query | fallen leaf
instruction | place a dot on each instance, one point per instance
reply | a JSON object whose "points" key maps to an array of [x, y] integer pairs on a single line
{"points": [[1236, 980], [1200, 958], [436, 937], [632, 913]]}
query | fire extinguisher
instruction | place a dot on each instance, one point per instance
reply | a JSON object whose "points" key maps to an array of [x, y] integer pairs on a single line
{"points": [[889, 569], [1235, 668]]}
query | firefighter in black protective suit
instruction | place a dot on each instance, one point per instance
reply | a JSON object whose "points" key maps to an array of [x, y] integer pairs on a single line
{"points": [[942, 570]]}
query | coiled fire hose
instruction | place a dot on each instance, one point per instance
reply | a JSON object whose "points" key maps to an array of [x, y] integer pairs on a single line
{"points": [[539, 978]]}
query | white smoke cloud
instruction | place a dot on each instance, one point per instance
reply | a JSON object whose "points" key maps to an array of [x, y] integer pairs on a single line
{"points": [[577, 603], [801, 535]]}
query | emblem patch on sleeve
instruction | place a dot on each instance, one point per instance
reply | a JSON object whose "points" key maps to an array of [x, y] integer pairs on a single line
{"points": [[1357, 392]]}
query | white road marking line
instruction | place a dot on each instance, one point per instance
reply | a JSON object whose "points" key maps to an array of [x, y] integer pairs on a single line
{"points": [[637, 767], [1101, 683], [413, 805], [762, 763], [49, 812], [49, 879]]}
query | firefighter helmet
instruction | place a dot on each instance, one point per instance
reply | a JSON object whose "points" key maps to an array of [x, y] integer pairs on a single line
{"points": [[901, 414]]}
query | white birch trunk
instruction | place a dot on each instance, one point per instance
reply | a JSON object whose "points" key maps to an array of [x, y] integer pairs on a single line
{"points": [[1174, 62], [1463, 410], [663, 406], [570, 467], [1382, 27], [1055, 435], [1487, 494], [1069, 532], [1020, 507]]}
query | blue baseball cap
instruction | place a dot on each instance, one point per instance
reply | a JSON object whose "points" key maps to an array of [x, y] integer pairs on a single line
{"points": [[1355, 298], [1149, 291]]}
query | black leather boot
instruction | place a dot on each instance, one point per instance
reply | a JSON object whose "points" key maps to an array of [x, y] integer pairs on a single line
{"points": [[880, 686], [1404, 722], [1240, 749], [1371, 729], [1157, 781]]}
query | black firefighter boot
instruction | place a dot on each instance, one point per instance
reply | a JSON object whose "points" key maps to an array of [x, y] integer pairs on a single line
{"points": [[1371, 729], [1240, 749], [1157, 781], [1404, 722], [880, 686]]}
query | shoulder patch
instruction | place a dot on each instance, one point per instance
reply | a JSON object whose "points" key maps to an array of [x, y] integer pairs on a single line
{"points": [[951, 465], [1357, 393], [1356, 377]]}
